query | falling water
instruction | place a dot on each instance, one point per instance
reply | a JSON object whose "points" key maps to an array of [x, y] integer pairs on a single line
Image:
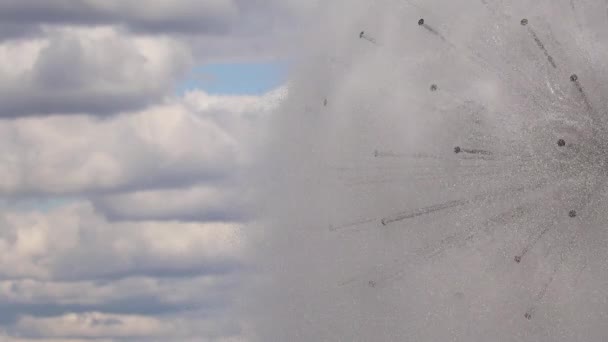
{"points": [[438, 173]]}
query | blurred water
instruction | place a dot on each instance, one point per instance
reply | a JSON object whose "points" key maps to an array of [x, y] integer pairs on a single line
{"points": [[414, 184]]}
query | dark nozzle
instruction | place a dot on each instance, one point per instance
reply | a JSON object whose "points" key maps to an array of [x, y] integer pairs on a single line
{"points": [[528, 315], [561, 142], [372, 283], [457, 149], [433, 87], [572, 213], [573, 78], [383, 222], [517, 259], [421, 22], [524, 22], [361, 34]]}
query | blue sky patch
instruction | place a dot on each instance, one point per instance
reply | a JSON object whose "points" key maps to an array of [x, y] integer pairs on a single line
{"points": [[236, 78], [41, 204]]}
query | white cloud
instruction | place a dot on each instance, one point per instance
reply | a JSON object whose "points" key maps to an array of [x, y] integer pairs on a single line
{"points": [[200, 138], [157, 147], [198, 202], [70, 71], [216, 30], [170, 294], [95, 325], [101, 325], [179, 161], [123, 203], [74, 242]]}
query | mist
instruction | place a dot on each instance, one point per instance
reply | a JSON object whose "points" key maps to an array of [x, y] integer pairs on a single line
{"points": [[437, 172]]}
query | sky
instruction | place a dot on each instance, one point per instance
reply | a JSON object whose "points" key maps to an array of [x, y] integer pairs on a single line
{"points": [[127, 129], [260, 170]]}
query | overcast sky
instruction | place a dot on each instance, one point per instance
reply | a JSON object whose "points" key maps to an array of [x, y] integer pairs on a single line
{"points": [[126, 128]]}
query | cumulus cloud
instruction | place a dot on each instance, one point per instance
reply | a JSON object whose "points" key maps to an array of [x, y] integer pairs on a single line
{"points": [[194, 203], [157, 16], [197, 139], [132, 295], [211, 18], [159, 147], [124, 204], [68, 273], [96, 325], [70, 71], [74, 242], [15, 31], [164, 214], [215, 30]]}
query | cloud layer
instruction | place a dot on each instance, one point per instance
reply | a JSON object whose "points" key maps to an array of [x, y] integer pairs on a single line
{"points": [[70, 71], [158, 16], [124, 204], [147, 199]]}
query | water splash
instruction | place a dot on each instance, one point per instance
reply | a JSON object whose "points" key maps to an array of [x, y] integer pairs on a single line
{"points": [[473, 211]]}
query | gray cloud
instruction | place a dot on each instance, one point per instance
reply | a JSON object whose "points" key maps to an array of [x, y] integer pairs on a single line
{"points": [[194, 203], [209, 294], [67, 69], [156, 148], [70, 71], [217, 30], [157, 16], [123, 217], [209, 17], [76, 243], [10, 31], [185, 160], [97, 325], [72, 262]]}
